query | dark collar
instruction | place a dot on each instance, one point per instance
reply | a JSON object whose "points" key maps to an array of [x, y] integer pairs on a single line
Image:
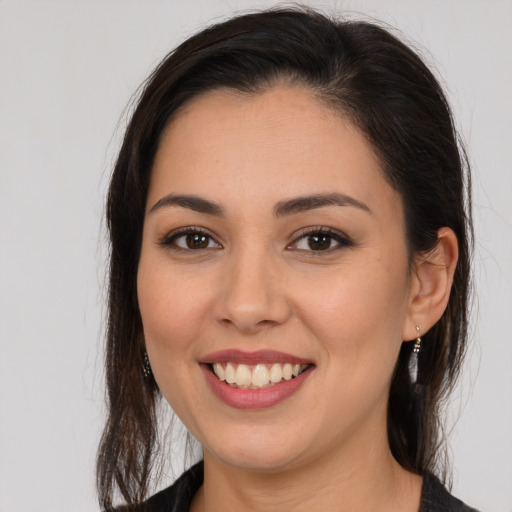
{"points": [[178, 497]]}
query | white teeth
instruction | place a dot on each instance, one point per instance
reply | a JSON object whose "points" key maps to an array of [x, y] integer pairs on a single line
{"points": [[261, 376], [276, 373], [230, 374], [243, 376], [219, 371]]}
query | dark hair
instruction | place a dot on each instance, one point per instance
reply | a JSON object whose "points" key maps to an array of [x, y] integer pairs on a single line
{"points": [[386, 90]]}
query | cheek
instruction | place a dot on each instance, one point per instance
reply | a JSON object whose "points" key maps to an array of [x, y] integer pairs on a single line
{"points": [[367, 297], [358, 314], [172, 310], [172, 313]]}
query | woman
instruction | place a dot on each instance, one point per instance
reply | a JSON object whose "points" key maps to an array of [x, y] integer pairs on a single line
{"points": [[289, 270]]}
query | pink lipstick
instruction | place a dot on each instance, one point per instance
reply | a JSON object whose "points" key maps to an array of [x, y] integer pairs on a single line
{"points": [[254, 380]]}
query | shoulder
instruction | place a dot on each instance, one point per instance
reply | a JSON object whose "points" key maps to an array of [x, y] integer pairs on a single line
{"points": [[177, 497], [435, 498]]}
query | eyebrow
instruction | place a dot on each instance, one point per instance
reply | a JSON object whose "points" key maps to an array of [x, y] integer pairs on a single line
{"points": [[305, 203], [196, 203], [281, 209]]}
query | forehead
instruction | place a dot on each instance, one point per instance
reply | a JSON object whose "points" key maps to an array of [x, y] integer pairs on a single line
{"points": [[279, 142]]}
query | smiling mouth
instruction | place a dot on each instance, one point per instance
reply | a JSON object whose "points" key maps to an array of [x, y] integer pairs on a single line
{"points": [[258, 376]]}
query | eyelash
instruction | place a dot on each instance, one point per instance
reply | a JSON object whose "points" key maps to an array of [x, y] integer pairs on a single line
{"points": [[341, 239], [333, 234], [170, 239]]}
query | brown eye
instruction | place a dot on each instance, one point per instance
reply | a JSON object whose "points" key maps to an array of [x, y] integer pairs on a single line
{"points": [[197, 241], [319, 242], [190, 239]]}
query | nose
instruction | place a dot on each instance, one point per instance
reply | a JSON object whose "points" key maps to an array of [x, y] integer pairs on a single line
{"points": [[252, 294]]}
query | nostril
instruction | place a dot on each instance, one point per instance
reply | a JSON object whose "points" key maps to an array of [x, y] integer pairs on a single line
{"points": [[247, 323]]}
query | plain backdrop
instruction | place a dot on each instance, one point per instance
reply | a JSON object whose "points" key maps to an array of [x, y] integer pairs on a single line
{"points": [[67, 70]]}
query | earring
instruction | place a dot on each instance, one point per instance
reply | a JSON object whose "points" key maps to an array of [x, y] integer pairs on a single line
{"points": [[413, 360], [146, 368]]}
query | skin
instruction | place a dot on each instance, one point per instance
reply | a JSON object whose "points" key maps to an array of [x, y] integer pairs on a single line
{"points": [[259, 285]]}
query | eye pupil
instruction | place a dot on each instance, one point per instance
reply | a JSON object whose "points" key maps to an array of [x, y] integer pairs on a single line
{"points": [[319, 242], [197, 241]]}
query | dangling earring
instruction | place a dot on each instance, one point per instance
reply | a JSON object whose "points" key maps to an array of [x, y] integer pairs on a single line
{"points": [[146, 368], [413, 360]]}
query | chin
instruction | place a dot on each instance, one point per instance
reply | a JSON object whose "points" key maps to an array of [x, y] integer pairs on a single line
{"points": [[257, 461], [257, 451]]}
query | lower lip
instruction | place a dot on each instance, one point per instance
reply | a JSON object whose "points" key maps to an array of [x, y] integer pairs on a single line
{"points": [[254, 398]]}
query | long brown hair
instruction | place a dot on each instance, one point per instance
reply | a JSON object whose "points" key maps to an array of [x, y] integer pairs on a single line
{"points": [[382, 86]]}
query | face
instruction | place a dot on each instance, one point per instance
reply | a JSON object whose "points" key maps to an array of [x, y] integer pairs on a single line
{"points": [[274, 282]]}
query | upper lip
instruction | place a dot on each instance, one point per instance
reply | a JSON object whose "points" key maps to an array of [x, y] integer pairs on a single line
{"points": [[251, 358]]}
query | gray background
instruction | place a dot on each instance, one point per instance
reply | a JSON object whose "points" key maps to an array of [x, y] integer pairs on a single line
{"points": [[67, 70]]}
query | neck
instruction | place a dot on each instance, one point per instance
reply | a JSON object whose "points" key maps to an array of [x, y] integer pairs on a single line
{"points": [[367, 479]]}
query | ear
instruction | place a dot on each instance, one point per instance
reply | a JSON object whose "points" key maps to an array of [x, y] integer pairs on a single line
{"points": [[432, 278]]}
